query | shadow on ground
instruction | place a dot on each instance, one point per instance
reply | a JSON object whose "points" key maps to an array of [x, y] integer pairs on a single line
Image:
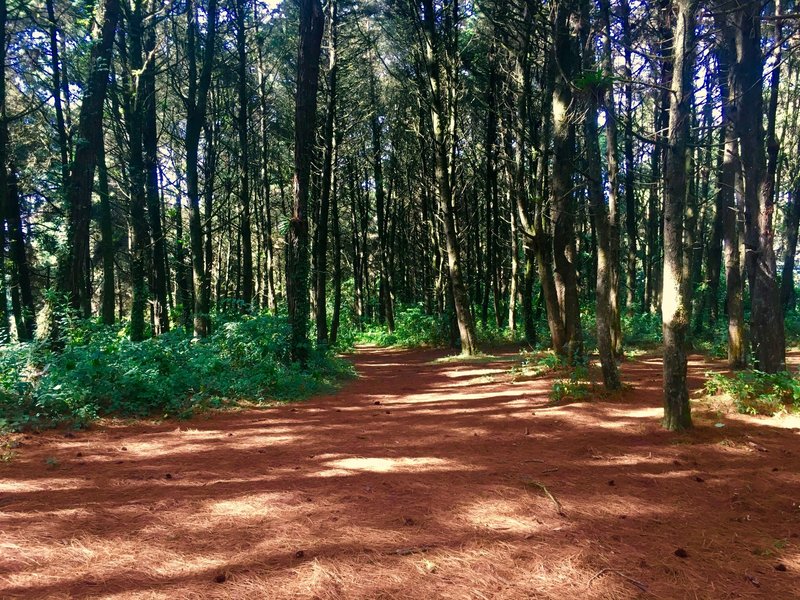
{"points": [[421, 479]]}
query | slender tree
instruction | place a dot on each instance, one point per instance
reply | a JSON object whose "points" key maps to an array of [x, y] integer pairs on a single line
{"points": [[297, 263], [675, 300]]}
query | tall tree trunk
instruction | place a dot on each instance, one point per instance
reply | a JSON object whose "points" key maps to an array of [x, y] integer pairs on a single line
{"points": [[242, 120], [196, 103], [563, 201], [269, 247], [746, 91], [133, 102], [630, 196], [21, 290], [600, 214], [788, 294], [609, 107], [337, 254], [106, 238], [385, 287], [55, 68], [514, 279], [74, 264], [159, 273], [490, 192], [714, 257], [727, 200], [321, 247], [297, 260], [440, 52], [675, 300]]}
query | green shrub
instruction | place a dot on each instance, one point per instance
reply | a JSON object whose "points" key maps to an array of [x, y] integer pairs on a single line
{"points": [[413, 328], [100, 372], [758, 393], [641, 329], [792, 322], [575, 387]]}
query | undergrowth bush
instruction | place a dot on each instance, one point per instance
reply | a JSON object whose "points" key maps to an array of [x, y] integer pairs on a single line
{"points": [[536, 363], [413, 327], [100, 372], [575, 387], [641, 329], [758, 393], [792, 322]]}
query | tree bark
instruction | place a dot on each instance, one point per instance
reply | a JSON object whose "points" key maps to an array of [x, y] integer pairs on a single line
{"points": [[297, 260], [74, 264], [630, 196], [788, 294], [600, 214], [675, 300], [196, 103], [321, 247], [242, 120], [746, 91], [439, 51], [563, 201], [159, 274], [106, 239]]}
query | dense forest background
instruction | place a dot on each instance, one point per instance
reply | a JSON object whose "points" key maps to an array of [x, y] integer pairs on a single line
{"points": [[576, 174]]}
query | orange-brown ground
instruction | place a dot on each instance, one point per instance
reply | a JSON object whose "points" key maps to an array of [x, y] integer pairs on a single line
{"points": [[417, 480]]}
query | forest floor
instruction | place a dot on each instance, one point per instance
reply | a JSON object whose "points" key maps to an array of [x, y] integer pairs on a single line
{"points": [[421, 479]]}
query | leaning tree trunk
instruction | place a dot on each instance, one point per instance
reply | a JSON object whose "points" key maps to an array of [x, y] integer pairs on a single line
{"points": [[675, 300]]}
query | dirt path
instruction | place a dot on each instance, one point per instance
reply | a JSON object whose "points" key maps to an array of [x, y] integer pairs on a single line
{"points": [[418, 480]]}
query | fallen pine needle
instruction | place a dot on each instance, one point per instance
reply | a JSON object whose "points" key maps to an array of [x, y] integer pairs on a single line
{"points": [[603, 571], [410, 551], [559, 508]]}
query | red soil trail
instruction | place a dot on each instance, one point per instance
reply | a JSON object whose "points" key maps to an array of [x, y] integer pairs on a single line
{"points": [[420, 479]]}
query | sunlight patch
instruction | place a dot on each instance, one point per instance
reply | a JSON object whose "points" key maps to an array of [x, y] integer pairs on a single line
{"points": [[345, 466], [49, 484], [256, 504], [502, 515]]}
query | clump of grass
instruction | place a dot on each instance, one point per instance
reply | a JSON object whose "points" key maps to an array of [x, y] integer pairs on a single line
{"points": [[758, 393], [576, 387]]}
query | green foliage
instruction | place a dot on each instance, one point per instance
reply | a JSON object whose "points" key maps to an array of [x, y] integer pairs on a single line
{"points": [[534, 364], [100, 372], [641, 328], [758, 393], [574, 388], [413, 328], [792, 322]]}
